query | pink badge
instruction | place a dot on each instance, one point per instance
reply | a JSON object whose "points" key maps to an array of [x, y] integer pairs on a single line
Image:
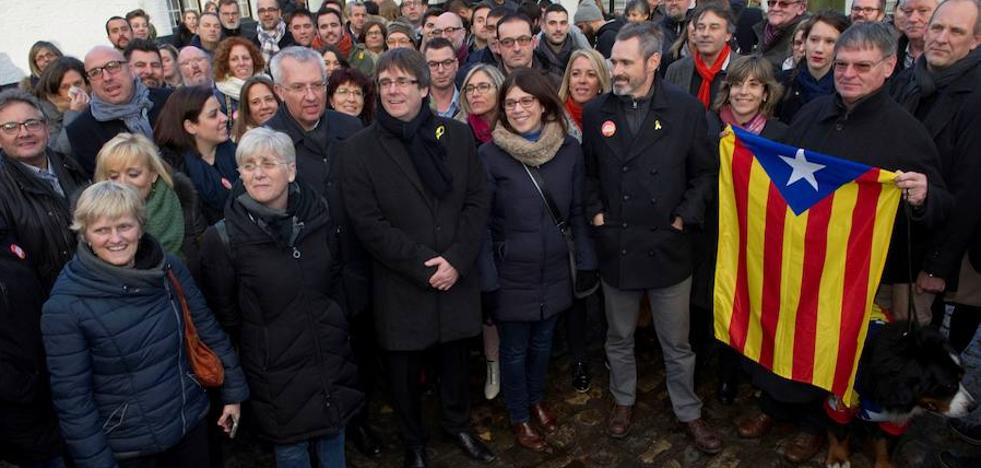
{"points": [[225, 183], [19, 252], [608, 129]]}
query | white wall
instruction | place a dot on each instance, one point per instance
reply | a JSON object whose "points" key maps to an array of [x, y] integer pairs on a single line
{"points": [[73, 25]]}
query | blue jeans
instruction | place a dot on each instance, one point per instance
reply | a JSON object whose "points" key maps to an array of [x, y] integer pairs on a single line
{"points": [[524, 353], [330, 452]]}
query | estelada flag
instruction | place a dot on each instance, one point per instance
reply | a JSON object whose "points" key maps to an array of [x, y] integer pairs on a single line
{"points": [[803, 238]]}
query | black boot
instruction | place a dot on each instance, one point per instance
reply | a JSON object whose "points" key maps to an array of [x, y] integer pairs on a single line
{"points": [[473, 447], [415, 457], [580, 377]]}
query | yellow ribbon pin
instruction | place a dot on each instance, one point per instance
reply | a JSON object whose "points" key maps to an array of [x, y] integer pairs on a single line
{"points": [[439, 132], [657, 124]]}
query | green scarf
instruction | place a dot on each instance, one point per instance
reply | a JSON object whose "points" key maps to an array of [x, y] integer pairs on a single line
{"points": [[164, 217]]}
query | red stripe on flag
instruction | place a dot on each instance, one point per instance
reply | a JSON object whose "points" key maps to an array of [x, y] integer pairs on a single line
{"points": [[805, 330], [742, 162], [776, 211], [857, 265]]}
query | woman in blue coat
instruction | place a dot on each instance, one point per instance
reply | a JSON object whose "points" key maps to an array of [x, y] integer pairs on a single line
{"points": [[113, 331], [525, 260]]}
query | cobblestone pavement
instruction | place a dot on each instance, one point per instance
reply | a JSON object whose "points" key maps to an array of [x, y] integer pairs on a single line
{"points": [[656, 439]]}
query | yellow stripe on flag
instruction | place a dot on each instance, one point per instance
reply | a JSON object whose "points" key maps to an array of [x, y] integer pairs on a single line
{"points": [[792, 268], [727, 263], [759, 190]]}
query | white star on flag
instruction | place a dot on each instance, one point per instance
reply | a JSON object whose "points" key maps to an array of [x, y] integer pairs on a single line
{"points": [[802, 169]]}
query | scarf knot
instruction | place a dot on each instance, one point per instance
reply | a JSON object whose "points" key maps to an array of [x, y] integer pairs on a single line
{"points": [[754, 125], [134, 113], [420, 136], [269, 40], [708, 74]]}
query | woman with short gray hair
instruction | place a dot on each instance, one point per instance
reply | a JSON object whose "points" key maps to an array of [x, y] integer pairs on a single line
{"points": [[271, 271]]}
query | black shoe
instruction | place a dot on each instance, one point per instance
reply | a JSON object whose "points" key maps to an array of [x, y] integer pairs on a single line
{"points": [[580, 377], [415, 457], [473, 447], [365, 440], [948, 460], [727, 392]]}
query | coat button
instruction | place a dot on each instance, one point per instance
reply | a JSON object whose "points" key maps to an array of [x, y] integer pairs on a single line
{"points": [[650, 253], [626, 197], [839, 126], [624, 225], [624, 168], [438, 227], [654, 171], [623, 252], [653, 200]]}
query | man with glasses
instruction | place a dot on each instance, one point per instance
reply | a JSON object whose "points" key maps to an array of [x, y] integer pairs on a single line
{"points": [[862, 123], [450, 27], [416, 196], [649, 176], [444, 97], [144, 61], [230, 15], [194, 66], [490, 54], [271, 33], [120, 103], [119, 32], [916, 15], [868, 10], [516, 43], [36, 185], [775, 34]]}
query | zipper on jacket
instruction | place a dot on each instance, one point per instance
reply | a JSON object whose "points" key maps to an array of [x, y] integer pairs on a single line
{"points": [[180, 347]]}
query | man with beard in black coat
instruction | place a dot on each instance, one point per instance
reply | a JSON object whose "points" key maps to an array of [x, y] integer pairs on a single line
{"points": [[36, 185], [415, 192], [861, 123], [941, 90]]}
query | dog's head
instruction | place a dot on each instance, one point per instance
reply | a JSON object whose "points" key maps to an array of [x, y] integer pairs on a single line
{"points": [[904, 371]]}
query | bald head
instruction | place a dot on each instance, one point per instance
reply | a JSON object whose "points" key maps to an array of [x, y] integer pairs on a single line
{"points": [[195, 66], [109, 75], [447, 22]]}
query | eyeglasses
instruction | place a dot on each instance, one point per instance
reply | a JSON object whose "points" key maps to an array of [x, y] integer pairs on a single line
{"points": [[860, 67], [446, 64], [508, 42], [263, 11], [439, 32], [265, 164], [400, 83], [190, 61], [780, 3], [525, 102], [344, 93], [112, 67], [411, 3], [373, 33], [300, 88], [13, 128], [479, 88], [858, 9], [398, 42]]}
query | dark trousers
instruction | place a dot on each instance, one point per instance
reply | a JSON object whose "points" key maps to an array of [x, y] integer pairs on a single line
{"points": [[365, 350], [404, 368], [525, 349], [963, 323], [190, 452], [29, 432], [809, 415], [576, 333]]}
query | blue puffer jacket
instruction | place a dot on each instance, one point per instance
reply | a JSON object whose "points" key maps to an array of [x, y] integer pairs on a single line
{"points": [[114, 338]]}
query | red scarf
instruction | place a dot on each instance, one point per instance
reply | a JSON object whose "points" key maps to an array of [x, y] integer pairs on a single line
{"points": [[344, 45], [481, 130], [575, 111], [754, 125], [708, 74]]}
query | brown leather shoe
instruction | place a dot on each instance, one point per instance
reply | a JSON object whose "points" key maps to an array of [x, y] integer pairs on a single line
{"points": [[706, 439], [545, 419], [618, 425], [755, 426], [803, 447], [526, 436]]}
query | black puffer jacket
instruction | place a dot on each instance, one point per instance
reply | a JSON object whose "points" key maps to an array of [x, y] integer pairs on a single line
{"points": [[37, 216], [280, 294]]}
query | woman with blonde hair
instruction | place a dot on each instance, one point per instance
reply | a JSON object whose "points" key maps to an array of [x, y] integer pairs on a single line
{"points": [[172, 213], [586, 77]]}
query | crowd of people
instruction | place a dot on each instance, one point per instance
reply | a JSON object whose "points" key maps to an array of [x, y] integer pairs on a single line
{"points": [[321, 191]]}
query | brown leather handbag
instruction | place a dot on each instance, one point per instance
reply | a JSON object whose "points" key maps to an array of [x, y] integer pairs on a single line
{"points": [[205, 364]]}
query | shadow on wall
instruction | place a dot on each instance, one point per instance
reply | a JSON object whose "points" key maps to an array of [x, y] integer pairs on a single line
{"points": [[9, 73]]}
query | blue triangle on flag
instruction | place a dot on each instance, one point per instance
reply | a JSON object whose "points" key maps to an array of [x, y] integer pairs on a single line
{"points": [[802, 177]]}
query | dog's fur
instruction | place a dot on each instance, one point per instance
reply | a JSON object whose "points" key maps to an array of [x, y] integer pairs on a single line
{"points": [[904, 373]]}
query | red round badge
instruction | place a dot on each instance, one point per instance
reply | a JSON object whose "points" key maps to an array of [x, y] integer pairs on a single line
{"points": [[608, 128], [225, 183], [19, 252]]}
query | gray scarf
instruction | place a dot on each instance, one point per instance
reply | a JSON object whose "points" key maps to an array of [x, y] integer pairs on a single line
{"points": [[132, 113]]}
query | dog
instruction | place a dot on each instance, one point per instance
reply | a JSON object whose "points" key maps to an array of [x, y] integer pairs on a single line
{"points": [[902, 372]]}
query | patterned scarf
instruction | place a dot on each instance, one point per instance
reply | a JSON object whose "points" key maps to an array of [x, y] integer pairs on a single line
{"points": [[708, 74], [132, 113], [270, 40], [754, 125]]}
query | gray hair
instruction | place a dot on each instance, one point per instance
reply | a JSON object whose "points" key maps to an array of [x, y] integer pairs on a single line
{"points": [[11, 96], [648, 33], [491, 71], [299, 54], [866, 35], [107, 199], [410, 61], [266, 141]]}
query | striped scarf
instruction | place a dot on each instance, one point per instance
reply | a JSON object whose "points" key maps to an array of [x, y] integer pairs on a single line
{"points": [[270, 40]]}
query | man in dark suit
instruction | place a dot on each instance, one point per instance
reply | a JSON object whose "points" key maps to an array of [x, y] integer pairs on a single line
{"points": [[415, 192], [649, 176], [120, 103]]}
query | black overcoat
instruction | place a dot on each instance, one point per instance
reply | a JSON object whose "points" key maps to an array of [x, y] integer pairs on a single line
{"points": [[402, 225], [642, 182]]}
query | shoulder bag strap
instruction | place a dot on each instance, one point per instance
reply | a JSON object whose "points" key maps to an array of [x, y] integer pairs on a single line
{"points": [[553, 210]]}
